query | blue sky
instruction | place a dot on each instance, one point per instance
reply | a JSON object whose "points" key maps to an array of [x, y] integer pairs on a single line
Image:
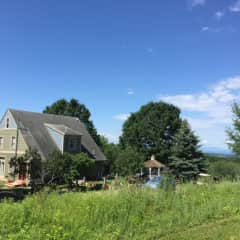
{"points": [[115, 56]]}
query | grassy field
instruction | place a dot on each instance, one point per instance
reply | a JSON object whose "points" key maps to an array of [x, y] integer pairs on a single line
{"points": [[192, 212]]}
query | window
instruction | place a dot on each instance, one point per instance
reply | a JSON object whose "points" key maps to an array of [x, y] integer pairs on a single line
{"points": [[7, 123], [1, 142], [14, 142], [2, 166], [71, 144]]}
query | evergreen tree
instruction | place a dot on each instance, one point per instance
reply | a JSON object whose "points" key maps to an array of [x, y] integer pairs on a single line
{"points": [[187, 160], [234, 133]]}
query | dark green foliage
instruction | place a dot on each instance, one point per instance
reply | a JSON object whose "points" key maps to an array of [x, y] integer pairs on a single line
{"points": [[111, 151], [66, 168], [223, 167], [187, 160], [234, 133], [82, 164], [18, 166], [74, 109], [30, 163], [35, 165], [129, 162], [151, 130]]}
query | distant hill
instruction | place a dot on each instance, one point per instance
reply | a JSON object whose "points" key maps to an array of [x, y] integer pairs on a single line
{"points": [[218, 152]]}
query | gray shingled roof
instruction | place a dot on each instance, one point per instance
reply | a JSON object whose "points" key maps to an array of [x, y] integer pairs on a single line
{"points": [[62, 129], [33, 129]]}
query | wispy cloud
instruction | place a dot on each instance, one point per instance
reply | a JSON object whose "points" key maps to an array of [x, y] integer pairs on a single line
{"points": [[121, 116], [215, 29], [209, 112], [130, 91], [111, 137], [195, 3], [219, 15], [205, 29], [235, 7], [150, 50]]}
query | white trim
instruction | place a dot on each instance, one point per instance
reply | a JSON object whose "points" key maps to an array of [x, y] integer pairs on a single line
{"points": [[11, 152], [7, 129], [54, 129]]}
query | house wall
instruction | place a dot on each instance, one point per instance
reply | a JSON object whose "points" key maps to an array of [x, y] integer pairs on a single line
{"points": [[7, 151], [12, 123]]}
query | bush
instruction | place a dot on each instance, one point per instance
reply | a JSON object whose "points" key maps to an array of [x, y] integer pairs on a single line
{"points": [[229, 169], [129, 162]]}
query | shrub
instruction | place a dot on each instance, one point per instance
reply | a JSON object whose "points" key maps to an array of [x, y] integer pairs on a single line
{"points": [[226, 169]]}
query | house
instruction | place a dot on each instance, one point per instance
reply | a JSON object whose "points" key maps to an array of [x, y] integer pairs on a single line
{"points": [[22, 130]]}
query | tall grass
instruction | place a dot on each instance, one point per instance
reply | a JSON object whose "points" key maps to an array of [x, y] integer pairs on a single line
{"points": [[129, 213]]}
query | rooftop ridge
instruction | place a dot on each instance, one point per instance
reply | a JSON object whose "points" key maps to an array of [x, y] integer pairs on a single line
{"points": [[49, 114]]}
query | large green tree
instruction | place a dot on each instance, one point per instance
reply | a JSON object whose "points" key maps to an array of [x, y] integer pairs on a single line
{"points": [[111, 151], [151, 130], [74, 109], [234, 132], [128, 162], [187, 160]]}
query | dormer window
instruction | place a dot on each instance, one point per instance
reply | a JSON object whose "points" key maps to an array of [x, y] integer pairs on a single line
{"points": [[72, 144], [7, 123]]}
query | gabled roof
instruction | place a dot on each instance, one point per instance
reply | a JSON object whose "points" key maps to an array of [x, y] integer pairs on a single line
{"points": [[33, 128]]}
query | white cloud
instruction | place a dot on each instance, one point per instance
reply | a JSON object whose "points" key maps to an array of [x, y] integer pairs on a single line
{"points": [[130, 91], [150, 50], [111, 137], [212, 107], [195, 3], [121, 117], [235, 7], [219, 15], [205, 28], [216, 29], [229, 29]]}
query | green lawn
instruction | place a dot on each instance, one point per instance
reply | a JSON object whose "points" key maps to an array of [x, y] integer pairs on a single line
{"points": [[228, 228], [192, 212]]}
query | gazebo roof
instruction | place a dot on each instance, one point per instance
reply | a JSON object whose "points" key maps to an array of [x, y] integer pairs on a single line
{"points": [[153, 163]]}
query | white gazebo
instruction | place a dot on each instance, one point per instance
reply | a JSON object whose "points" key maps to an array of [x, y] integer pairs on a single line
{"points": [[154, 164]]}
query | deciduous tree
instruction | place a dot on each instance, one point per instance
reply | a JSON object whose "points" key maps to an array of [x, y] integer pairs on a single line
{"points": [[74, 109], [129, 162], [151, 130]]}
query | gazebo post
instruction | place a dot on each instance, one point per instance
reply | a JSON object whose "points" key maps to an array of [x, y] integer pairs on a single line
{"points": [[150, 173], [159, 171]]}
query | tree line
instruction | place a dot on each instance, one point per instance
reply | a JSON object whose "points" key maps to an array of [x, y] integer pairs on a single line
{"points": [[155, 129]]}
